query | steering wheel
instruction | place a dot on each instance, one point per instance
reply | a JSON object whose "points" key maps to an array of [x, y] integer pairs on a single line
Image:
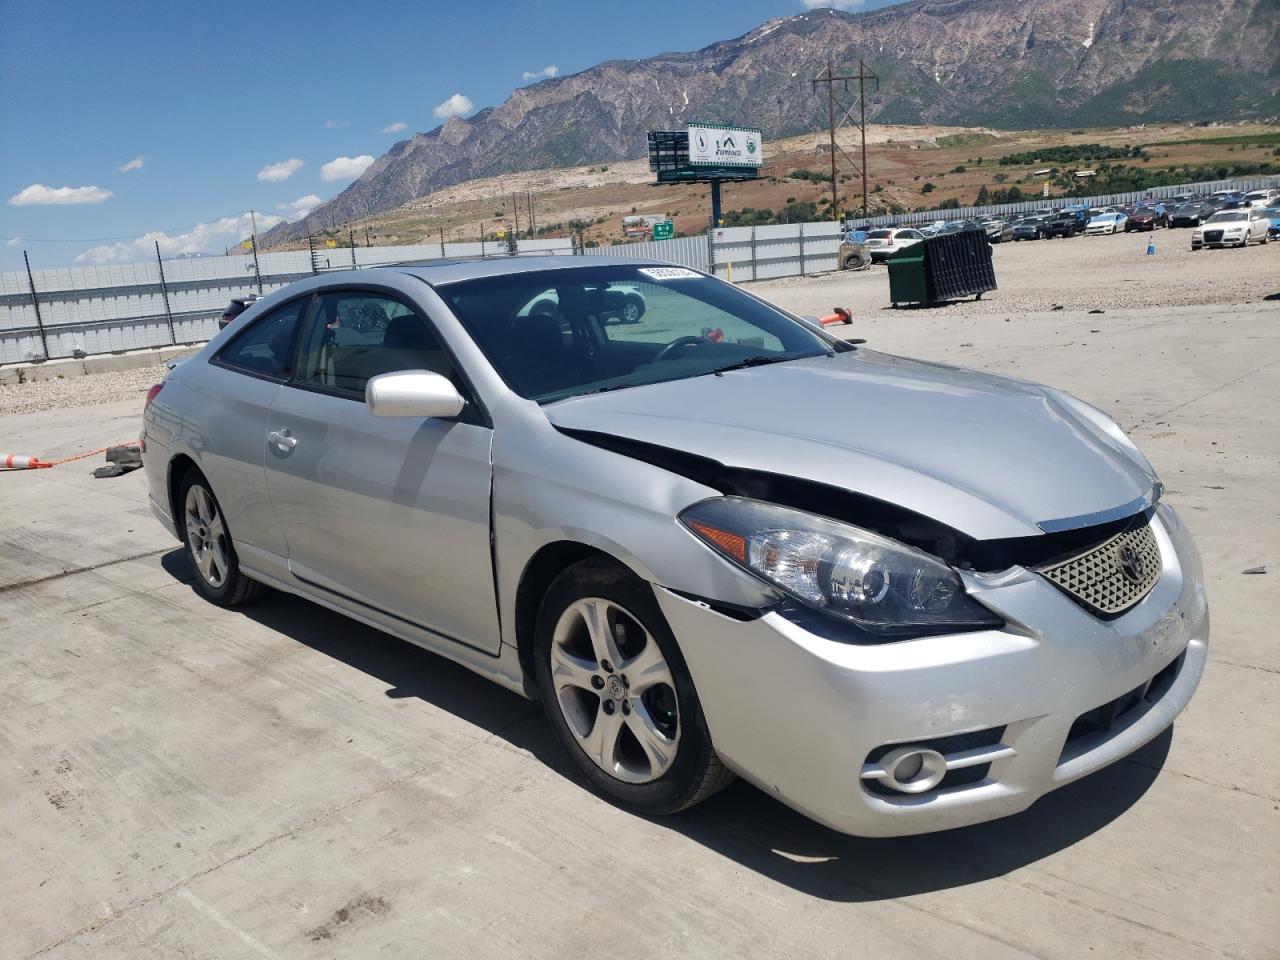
{"points": [[675, 345]]}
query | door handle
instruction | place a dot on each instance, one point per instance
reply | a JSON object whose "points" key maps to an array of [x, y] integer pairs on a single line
{"points": [[282, 439]]}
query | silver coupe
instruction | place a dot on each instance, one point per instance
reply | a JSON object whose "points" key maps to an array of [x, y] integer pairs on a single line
{"points": [[900, 596]]}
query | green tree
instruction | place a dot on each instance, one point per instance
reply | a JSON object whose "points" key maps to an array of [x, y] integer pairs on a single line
{"points": [[984, 198], [927, 188]]}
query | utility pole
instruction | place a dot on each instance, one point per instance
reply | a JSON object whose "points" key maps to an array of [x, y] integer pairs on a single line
{"points": [[515, 212], [830, 79]]}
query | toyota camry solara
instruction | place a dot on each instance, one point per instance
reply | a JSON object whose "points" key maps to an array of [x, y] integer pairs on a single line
{"points": [[898, 595]]}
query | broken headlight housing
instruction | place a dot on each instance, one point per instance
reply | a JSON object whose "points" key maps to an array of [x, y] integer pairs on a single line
{"points": [[880, 585]]}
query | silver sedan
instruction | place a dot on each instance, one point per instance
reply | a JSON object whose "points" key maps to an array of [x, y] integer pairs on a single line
{"points": [[900, 596]]}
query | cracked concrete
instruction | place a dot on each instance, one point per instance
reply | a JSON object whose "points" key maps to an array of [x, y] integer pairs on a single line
{"points": [[278, 781]]}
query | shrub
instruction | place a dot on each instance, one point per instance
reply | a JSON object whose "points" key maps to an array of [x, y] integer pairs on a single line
{"points": [[927, 188]]}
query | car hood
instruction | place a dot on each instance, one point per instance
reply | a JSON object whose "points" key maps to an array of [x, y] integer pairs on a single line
{"points": [[990, 456]]}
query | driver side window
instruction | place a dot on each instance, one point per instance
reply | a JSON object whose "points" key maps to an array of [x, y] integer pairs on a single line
{"points": [[352, 336]]}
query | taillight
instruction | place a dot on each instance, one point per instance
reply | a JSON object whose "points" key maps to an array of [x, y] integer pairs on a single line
{"points": [[152, 394]]}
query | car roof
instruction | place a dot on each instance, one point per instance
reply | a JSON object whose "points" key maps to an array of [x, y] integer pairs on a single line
{"points": [[453, 270]]}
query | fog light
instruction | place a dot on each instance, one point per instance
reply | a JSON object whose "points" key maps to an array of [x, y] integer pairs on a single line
{"points": [[913, 769]]}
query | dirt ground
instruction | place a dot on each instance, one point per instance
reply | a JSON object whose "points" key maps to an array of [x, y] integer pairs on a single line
{"points": [[1081, 273], [277, 781]]}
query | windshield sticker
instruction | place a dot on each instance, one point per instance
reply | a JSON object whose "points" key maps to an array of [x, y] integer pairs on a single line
{"points": [[669, 273]]}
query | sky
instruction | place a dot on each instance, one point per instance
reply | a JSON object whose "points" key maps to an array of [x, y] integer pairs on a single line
{"points": [[135, 122]]}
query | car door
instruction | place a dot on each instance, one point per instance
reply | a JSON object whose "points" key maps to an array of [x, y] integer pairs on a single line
{"points": [[389, 512], [239, 386]]}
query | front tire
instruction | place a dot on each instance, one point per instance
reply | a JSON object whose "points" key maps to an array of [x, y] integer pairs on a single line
{"points": [[618, 694], [208, 542]]}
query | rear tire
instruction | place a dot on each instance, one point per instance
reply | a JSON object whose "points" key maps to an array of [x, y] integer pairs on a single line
{"points": [[618, 694], [208, 543]]}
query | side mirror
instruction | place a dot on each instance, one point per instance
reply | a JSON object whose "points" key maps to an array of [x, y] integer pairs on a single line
{"points": [[412, 393]]}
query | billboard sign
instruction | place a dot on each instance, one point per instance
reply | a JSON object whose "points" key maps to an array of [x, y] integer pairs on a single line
{"points": [[719, 145]]}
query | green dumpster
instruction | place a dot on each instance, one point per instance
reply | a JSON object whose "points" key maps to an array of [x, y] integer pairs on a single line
{"points": [[908, 278], [941, 268]]}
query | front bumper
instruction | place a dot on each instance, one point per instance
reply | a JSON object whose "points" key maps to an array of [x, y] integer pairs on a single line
{"points": [[804, 717]]}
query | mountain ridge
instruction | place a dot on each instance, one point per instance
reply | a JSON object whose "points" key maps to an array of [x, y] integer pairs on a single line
{"points": [[1011, 63]]}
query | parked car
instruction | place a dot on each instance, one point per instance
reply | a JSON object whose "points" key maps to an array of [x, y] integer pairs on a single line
{"points": [[975, 597], [1145, 218], [880, 243], [237, 306], [1062, 225], [1106, 223], [1261, 198], [998, 231], [1191, 214], [1029, 228], [1232, 228], [621, 303], [1273, 216]]}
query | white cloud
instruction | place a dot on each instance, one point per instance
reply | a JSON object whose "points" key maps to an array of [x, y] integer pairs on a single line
{"points": [[212, 237], [336, 124], [297, 209], [550, 71], [835, 4], [346, 168], [455, 106], [396, 127], [134, 164], [277, 172], [38, 193], [13, 242]]}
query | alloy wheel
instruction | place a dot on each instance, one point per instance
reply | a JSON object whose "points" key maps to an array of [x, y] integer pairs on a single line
{"points": [[206, 536], [615, 690]]}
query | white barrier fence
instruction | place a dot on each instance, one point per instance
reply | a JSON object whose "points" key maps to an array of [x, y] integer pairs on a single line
{"points": [[111, 308]]}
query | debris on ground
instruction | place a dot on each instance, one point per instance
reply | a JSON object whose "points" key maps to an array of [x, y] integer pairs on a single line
{"points": [[120, 460], [1254, 570]]}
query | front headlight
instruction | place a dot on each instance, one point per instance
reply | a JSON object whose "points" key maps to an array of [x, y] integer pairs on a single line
{"points": [[882, 586]]}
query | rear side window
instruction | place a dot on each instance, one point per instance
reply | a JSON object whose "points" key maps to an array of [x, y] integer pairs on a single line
{"points": [[265, 348], [356, 335]]}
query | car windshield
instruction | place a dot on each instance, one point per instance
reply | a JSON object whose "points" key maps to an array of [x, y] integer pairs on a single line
{"points": [[556, 334], [1228, 215]]}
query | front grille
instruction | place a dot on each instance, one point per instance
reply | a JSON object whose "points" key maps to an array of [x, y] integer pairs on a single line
{"points": [[1113, 576], [1213, 236]]}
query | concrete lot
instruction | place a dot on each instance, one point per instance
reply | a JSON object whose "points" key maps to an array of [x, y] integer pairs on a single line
{"points": [[180, 780]]}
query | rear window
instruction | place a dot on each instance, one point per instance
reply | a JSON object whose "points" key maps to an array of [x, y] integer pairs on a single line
{"points": [[879, 234]]}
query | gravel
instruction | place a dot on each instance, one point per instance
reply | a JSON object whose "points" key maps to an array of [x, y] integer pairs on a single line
{"points": [[1081, 273], [84, 391]]}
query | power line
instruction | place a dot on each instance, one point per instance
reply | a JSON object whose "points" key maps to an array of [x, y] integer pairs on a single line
{"points": [[828, 76], [131, 236]]}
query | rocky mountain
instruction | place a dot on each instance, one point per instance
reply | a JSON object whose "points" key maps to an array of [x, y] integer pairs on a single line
{"points": [[1005, 63]]}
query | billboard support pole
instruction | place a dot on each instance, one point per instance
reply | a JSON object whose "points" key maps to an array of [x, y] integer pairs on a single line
{"points": [[715, 204]]}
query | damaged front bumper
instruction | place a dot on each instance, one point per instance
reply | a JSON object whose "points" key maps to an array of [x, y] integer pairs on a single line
{"points": [[1056, 694]]}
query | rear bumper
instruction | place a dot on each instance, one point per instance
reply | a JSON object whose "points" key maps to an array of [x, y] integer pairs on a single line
{"points": [[805, 718]]}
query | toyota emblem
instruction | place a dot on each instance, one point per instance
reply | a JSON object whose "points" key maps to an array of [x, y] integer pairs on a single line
{"points": [[1132, 565]]}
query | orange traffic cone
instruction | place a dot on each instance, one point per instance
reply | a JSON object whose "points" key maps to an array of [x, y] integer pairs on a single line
{"points": [[17, 461]]}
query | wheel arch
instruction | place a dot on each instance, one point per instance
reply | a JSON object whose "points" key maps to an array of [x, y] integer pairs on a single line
{"points": [[543, 567], [179, 467]]}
